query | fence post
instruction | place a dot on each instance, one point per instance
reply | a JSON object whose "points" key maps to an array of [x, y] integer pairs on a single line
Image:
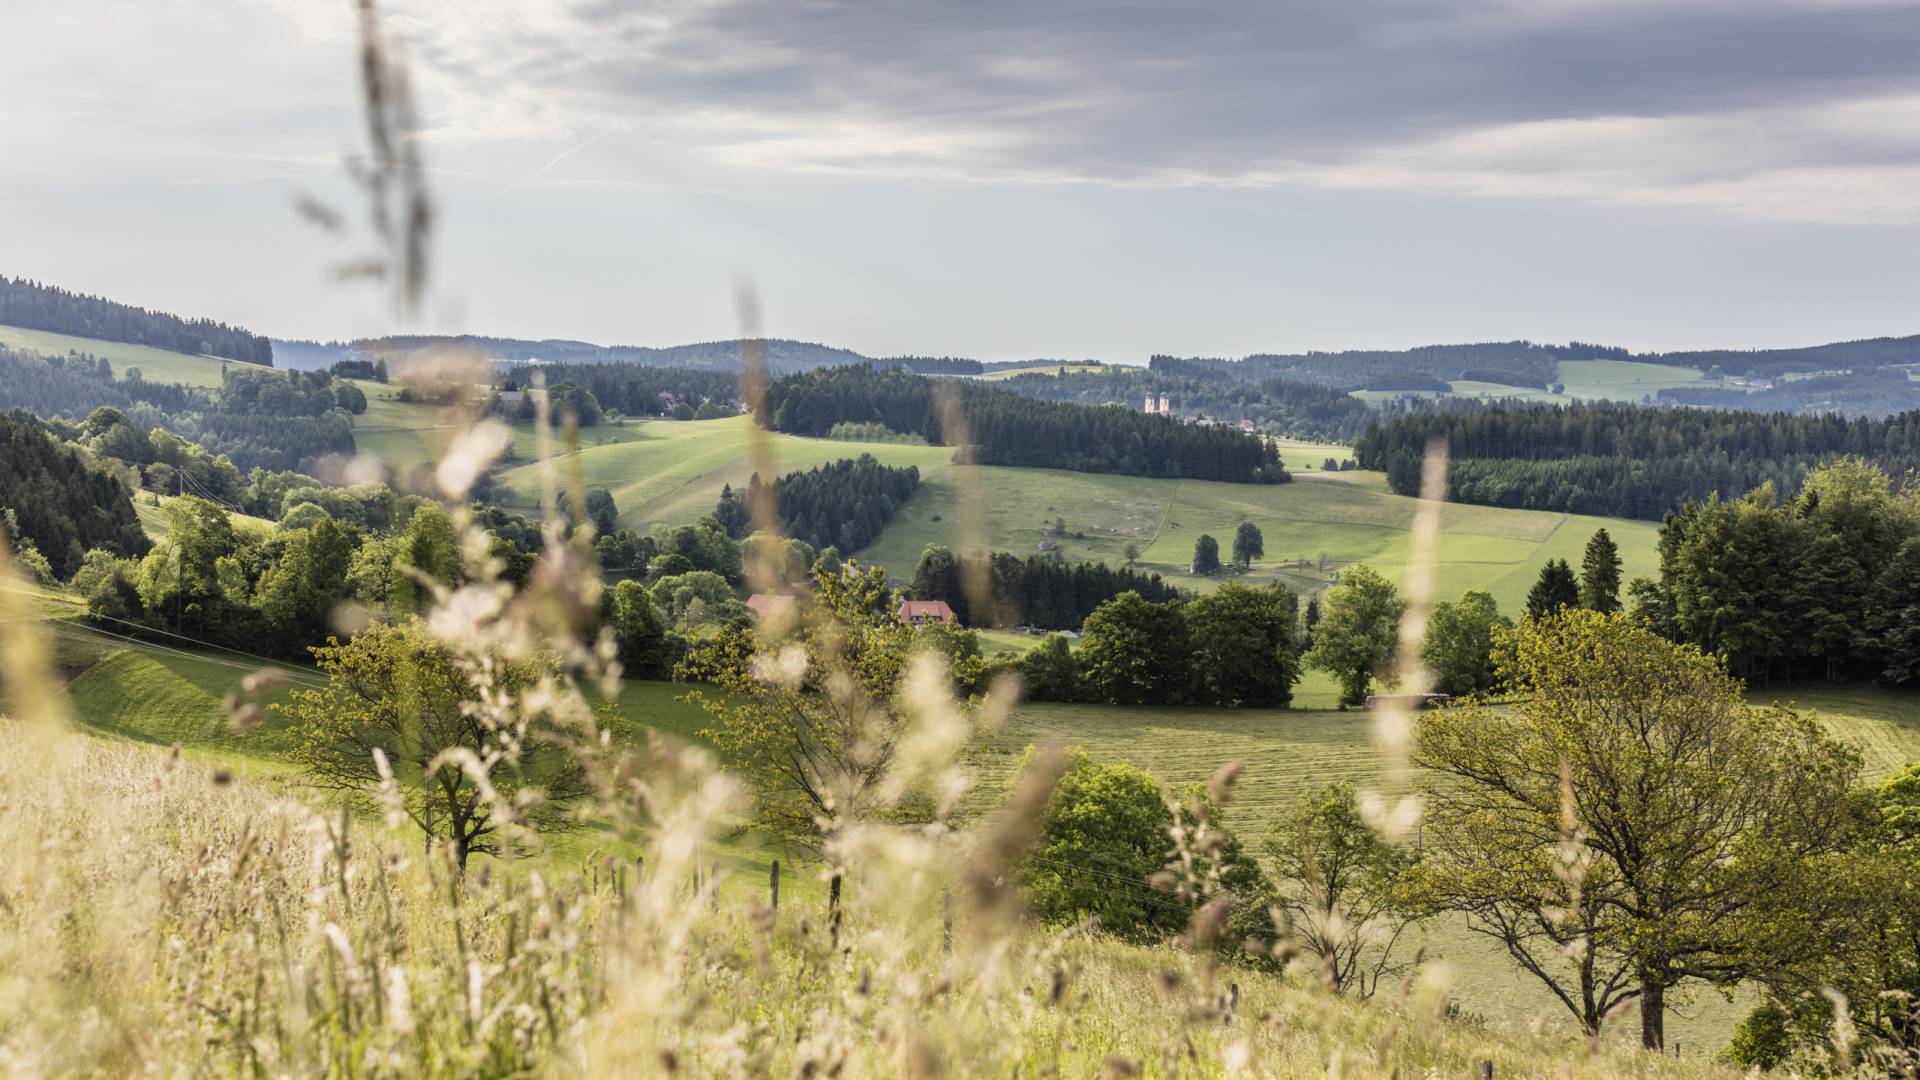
{"points": [[713, 897], [1233, 1001], [773, 886], [1486, 1070], [946, 918]]}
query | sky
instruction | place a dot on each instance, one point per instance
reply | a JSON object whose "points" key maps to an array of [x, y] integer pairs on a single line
{"points": [[996, 179]]}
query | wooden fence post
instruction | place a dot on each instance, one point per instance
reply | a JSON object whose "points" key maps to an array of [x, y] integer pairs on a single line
{"points": [[713, 898], [773, 886], [1486, 1070]]}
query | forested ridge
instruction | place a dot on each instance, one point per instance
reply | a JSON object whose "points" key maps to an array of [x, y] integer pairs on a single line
{"points": [[1624, 460], [1877, 392], [636, 389], [57, 500], [782, 355], [258, 417], [1005, 428], [1527, 363], [1518, 363], [34, 306], [1281, 406]]}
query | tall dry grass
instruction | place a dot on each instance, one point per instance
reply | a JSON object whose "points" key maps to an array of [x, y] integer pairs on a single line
{"points": [[159, 918]]}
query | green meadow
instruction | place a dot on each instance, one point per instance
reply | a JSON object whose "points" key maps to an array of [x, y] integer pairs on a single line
{"points": [[673, 471], [156, 365], [163, 697]]}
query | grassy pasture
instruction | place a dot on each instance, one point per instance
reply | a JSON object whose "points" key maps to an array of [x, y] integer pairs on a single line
{"points": [[156, 365], [1073, 367], [1622, 380], [1609, 380], [672, 471], [161, 697]]}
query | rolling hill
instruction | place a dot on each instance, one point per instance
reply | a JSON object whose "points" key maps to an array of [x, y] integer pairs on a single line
{"points": [[672, 472], [156, 365]]}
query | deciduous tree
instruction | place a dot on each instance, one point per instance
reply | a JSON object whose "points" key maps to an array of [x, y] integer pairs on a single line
{"points": [[1354, 638], [1632, 811], [465, 773]]}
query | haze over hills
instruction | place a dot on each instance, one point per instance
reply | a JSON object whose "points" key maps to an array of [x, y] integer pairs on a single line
{"points": [[1436, 359]]}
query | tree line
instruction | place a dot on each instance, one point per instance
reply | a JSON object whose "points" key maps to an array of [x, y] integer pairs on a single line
{"points": [[1622, 460], [842, 504], [1004, 428], [1821, 585], [58, 505], [239, 420], [1034, 591], [35, 306], [638, 389]]}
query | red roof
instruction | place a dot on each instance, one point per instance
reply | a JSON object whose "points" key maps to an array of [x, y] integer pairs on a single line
{"points": [[767, 605], [923, 611]]}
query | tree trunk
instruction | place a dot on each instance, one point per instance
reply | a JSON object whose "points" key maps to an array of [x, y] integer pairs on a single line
{"points": [[833, 908], [460, 854], [1653, 1013]]}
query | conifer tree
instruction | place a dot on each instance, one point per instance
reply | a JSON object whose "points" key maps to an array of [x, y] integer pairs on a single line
{"points": [[1600, 574], [1556, 590]]}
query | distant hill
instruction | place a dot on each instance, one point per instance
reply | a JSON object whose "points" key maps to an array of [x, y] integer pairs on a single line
{"points": [[783, 356], [31, 305], [1528, 363], [314, 355]]}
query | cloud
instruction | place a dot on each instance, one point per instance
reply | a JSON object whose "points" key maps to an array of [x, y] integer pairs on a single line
{"points": [[1797, 109]]}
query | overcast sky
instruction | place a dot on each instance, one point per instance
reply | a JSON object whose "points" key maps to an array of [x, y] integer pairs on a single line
{"points": [[1000, 179]]}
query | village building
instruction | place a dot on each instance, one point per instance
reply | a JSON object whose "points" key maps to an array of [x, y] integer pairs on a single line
{"points": [[767, 606], [925, 613]]}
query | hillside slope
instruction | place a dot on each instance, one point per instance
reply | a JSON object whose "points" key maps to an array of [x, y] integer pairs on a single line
{"points": [[672, 472], [156, 365]]}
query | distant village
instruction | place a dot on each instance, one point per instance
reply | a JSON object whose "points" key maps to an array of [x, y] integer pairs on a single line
{"points": [[1162, 405]]}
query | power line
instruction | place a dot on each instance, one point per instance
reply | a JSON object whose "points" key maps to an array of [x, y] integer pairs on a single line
{"points": [[296, 674], [73, 633]]}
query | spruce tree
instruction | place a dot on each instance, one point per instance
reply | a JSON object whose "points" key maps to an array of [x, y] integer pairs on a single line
{"points": [[1557, 589], [1600, 574]]}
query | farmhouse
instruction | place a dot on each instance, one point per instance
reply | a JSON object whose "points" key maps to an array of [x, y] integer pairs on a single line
{"points": [[769, 605], [925, 613]]}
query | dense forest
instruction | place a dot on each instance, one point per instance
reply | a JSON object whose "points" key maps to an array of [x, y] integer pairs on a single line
{"points": [[256, 418], [1625, 460], [843, 504], [1034, 591], [1277, 406], [35, 306], [1824, 585], [58, 501], [1004, 428]]}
